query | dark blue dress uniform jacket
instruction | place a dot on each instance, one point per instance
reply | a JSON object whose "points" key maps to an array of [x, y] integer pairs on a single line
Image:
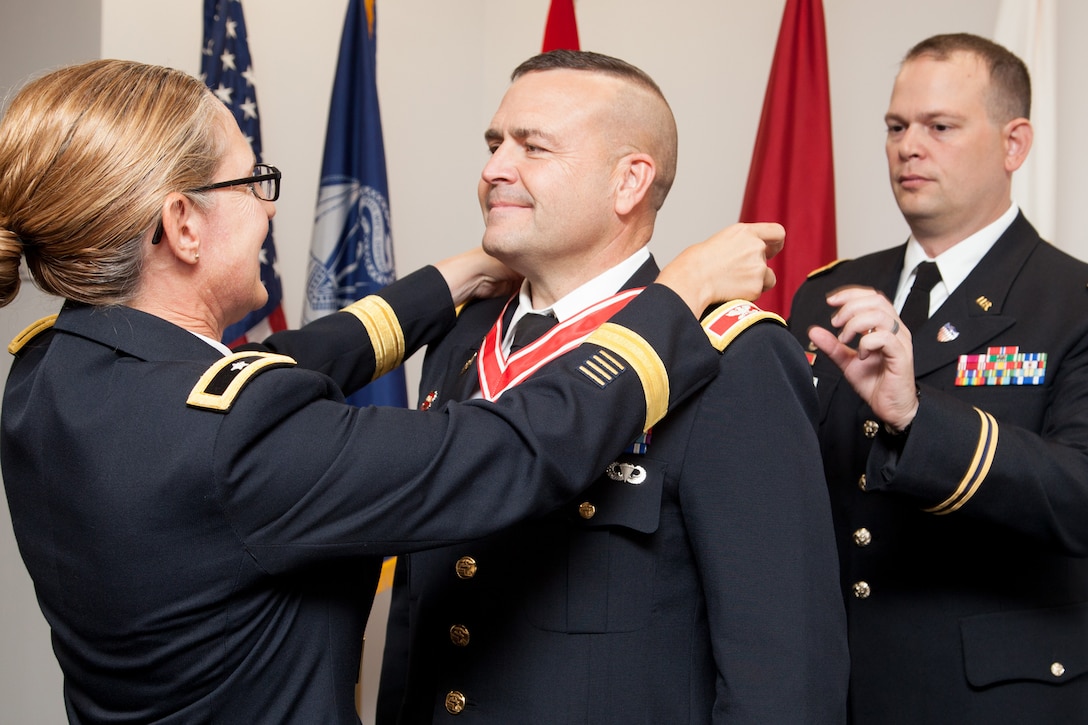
{"points": [[963, 562], [704, 593], [200, 565]]}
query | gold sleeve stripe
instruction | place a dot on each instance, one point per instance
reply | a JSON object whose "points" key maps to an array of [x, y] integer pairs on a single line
{"points": [[30, 333], [608, 359], [588, 372], [638, 353], [599, 369], [607, 364], [977, 471], [386, 335], [220, 384], [602, 368]]}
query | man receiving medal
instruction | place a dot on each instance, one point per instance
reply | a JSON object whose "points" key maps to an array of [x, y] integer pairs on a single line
{"points": [[694, 580]]}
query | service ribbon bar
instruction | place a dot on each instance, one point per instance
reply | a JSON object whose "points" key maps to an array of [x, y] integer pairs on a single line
{"points": [[1002, 366], [641, 444]]}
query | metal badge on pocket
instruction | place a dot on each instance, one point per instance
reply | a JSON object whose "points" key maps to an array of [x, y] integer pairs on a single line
{"points": [[626, 472]]}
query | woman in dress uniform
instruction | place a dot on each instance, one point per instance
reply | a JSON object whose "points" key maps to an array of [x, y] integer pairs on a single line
{"points": [[205, 527]]}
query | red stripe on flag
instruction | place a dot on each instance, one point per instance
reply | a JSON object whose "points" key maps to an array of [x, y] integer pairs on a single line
{"points": [[791, 180], [561, 30], [277, 320]]}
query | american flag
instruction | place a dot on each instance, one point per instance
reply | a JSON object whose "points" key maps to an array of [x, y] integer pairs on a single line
{"points": [[227, 69]]}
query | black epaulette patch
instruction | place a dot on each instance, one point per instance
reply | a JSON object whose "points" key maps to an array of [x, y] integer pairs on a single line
{"points": [[30, 333], [826, 268], [220, 385]]}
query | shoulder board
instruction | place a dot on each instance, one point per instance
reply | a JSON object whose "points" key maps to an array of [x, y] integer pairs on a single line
{"points": [[725, 323], [220, 385], [30, 333], [826, 268]]}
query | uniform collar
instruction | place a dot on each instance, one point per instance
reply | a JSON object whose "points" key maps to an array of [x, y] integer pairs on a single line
{"points": [[603, 285], [133, 332], [214, 343], [955, 263]]}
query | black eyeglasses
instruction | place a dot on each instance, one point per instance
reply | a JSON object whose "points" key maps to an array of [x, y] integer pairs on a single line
{"points": [[265, 185]]}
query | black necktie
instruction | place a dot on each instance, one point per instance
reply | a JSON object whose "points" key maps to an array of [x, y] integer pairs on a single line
{"points": [[916, 308], [530, 327]]}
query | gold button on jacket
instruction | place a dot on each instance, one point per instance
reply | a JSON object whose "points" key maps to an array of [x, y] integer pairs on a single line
{"points": [[455, 702], [459, 635], [465, 567]]}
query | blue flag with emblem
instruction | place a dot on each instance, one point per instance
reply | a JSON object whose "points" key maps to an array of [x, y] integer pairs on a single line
{"points": [[351, 254], [227, 70]]}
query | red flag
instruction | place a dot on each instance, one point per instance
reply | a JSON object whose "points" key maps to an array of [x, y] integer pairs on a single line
{"points": [[561, 32], [791, 180]]}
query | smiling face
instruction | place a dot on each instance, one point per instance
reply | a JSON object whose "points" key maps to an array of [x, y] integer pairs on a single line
{"points": [[548, 190], [949, 161]]}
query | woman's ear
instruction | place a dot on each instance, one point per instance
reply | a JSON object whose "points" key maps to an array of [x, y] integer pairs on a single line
{"points": [[182, 225]]}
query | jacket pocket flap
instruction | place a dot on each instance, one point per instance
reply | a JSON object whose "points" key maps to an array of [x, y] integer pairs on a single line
{"points": [[1040, 645], [628, 496]]}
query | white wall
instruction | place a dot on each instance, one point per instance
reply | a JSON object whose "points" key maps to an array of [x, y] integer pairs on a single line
{"points": [[30, 40], [443, 67]]}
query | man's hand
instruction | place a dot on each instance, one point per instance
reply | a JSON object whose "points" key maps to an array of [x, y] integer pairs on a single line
{"points": [[475, 275], [730, 265], [881, 370]]}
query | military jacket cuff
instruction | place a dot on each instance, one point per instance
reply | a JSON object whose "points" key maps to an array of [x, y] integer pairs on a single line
{"points": [[944, 460]]}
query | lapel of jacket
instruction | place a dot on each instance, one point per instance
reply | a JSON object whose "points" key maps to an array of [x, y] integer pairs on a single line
{"points": [[976, 309], [887, 267], [453, 373], [643, 276]]}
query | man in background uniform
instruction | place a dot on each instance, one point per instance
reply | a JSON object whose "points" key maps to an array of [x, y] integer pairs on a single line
{"points": [[958, 470]]}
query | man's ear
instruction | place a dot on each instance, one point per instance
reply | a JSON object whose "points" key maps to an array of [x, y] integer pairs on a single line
{"points": [[1018, 134], [182, 225], [636, 175]]}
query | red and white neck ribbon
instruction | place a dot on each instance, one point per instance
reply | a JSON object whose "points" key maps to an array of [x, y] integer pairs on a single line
{"points": [[499, 371]]}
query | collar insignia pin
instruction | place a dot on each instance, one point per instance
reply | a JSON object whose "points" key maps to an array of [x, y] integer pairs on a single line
{"points": [[468, 363]]}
